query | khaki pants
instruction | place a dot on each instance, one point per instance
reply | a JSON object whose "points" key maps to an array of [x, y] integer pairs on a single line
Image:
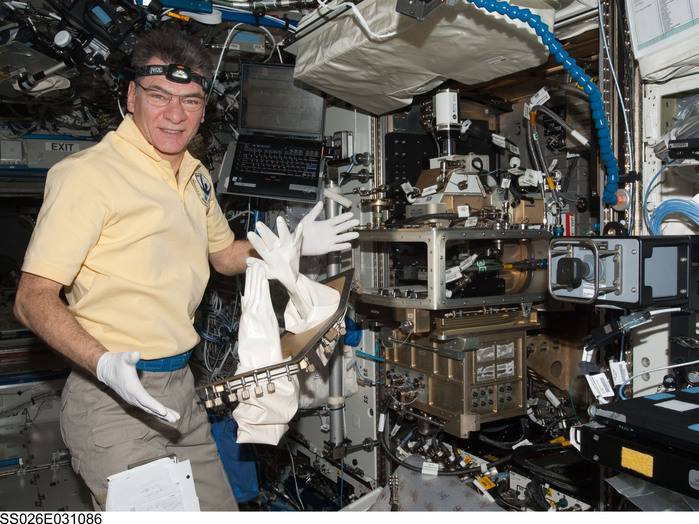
{"points": [[105, 435]]}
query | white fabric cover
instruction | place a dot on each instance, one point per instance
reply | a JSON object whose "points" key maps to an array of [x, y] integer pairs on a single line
{"points": [[265, 419], [315, 387], [460, 42]]}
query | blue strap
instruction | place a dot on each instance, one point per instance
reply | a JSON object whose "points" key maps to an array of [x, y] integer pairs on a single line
{"points": [[165, 364]]}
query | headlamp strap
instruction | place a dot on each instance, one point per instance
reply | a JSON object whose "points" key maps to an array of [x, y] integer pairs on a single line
{"points": [[175, 73]]}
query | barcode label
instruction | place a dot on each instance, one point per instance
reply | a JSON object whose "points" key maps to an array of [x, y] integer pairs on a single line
{"points": [[599, 384]]}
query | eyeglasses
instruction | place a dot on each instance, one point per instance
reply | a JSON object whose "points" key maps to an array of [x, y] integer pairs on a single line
{"points": [[160, 98]]}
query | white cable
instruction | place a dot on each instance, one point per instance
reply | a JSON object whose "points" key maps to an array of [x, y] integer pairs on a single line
{"points": [[362, 20], [623, 384], [272, 40], [667, 310], [220, 57], [293, 472], [238, 215], [229, 350], [618, 89], [121, 109]]}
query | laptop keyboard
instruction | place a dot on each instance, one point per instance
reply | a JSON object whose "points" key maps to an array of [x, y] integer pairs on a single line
{"points": [[301, 163]]}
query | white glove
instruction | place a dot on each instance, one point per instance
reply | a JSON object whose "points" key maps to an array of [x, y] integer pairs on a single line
{"points": [[264, 419], [118, 371], [258, 332], [280, 253], [321, 237], [318, 303], [310, 303]]}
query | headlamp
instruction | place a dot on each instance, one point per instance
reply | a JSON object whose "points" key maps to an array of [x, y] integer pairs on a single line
{"points": [[175, 73]]}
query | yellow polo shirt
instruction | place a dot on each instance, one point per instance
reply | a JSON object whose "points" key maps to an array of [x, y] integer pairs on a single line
{"points": [[128, 244]]}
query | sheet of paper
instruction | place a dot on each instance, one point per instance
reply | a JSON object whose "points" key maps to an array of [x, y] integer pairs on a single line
{"points": [[161, 485], [657, 23]]}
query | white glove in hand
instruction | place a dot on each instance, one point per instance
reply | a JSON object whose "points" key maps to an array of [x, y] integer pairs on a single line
{"points": [[258, 332], [118, 371], [321, 237]]}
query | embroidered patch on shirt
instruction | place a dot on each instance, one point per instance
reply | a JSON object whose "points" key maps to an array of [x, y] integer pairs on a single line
{"points": [[203, 188]]}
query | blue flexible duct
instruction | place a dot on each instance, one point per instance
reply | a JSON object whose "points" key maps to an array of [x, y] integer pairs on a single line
{"points": [[556, 49], [10, 462]]}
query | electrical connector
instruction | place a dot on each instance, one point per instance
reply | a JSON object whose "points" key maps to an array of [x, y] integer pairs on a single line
{"points": [[614, 330]]}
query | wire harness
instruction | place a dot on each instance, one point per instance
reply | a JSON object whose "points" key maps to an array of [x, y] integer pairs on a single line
{"points": [[576, 72]]}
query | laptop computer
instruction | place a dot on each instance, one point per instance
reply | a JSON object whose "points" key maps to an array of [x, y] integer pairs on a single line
{"points": [[670, 417], [279, 150]]}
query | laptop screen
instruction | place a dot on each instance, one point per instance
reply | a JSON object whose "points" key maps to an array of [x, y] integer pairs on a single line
{"points": [[273, 104]]}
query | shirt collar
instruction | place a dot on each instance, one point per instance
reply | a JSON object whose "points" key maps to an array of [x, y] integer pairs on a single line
{"points": [[128, 131]]}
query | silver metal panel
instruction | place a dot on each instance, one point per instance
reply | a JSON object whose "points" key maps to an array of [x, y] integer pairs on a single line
{"points": [[432, 243], [30, 431]]}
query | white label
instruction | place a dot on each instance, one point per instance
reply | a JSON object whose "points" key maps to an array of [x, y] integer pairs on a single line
{"points": [[506, 350], [506, 369], [430, 468], [600, 385], [619, 372], [540, 97], [429, 190], [451, 274], [463, 211], [498, 140], [485, 354], [530, 178], [505, 184], [484, 373], [471, 222], [588, 290], [524, 442]]}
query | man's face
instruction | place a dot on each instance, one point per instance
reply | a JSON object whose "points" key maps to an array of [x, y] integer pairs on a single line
{"points": [[169, 129]]}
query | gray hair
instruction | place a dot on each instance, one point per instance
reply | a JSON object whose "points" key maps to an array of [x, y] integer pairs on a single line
{"points": [[173, 47]]}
